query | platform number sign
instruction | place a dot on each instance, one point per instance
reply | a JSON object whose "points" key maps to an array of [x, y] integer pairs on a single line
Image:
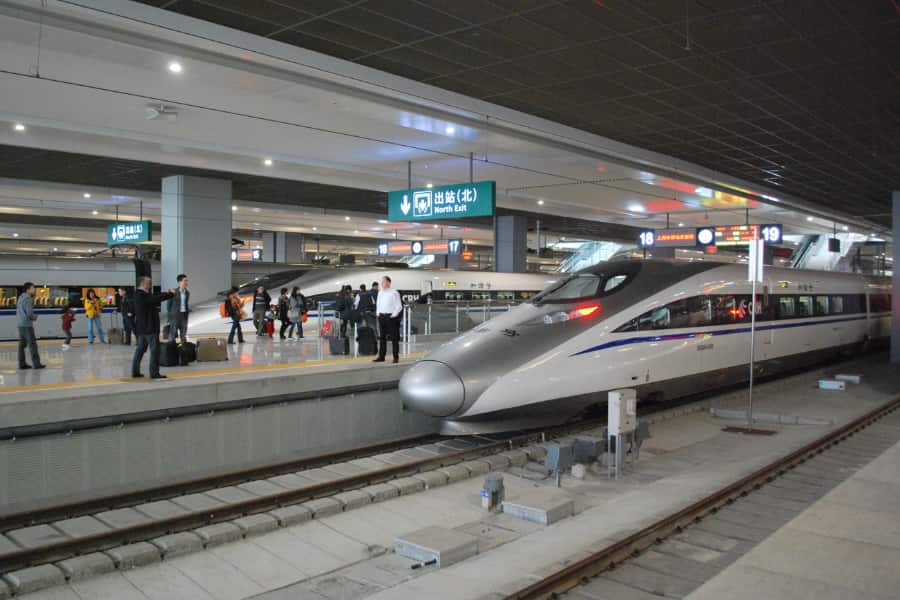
{"points": [[454, 246], [770, 234], [706, 236], [384, 249], [416, 248], [647, 238]]}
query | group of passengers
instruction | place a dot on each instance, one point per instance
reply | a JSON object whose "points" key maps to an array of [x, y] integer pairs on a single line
{"points": [[291, 309]]}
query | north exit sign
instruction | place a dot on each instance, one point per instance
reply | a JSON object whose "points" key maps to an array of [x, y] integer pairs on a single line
{"points": [[456, 201], [132, 232]]}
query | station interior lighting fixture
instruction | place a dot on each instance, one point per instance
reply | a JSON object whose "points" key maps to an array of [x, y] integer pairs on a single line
{"points": [[540, 202], [94, 212], [233, 208], [315, 228], [383, 221], [175, 67], [86, 195], [268, 162], [681, 224], [429, 185], [809, 218], [845, 228], [450, 130], [347, 217], [19, 127], [15, 235]]}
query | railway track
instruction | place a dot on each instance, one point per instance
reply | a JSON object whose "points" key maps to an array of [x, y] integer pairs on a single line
{"points": [[674, 556]]}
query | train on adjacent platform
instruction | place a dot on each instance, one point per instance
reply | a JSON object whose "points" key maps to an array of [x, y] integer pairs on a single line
{"points": [[666, 329]]}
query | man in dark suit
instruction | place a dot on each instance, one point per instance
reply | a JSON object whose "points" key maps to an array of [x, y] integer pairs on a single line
{"points": [[146, 326], [179, 308]]}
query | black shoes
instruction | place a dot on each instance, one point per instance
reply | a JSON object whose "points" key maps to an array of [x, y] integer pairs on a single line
{"points": [[137, 376], [396, 360], [158, 376], [378, 360], [23, 367], [40, 366]]}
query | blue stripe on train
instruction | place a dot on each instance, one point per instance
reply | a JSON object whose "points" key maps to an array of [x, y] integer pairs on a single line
{"points": [[686, 336]]}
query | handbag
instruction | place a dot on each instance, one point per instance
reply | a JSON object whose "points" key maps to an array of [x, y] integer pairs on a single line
{"points": [[304, 317], [293, 314]]}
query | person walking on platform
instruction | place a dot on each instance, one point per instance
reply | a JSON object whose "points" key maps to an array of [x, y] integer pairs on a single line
{"points": [[344, 308], [93, 310], [126, 309], [298, 311], [179, 308], [146, 320], [284, 307], [25, 319], [261, 302], [389, 308], [234, 308], [68, 317]]}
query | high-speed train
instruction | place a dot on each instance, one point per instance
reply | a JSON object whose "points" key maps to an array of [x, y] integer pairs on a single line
{"points": [[414, 285], [666, 329]]}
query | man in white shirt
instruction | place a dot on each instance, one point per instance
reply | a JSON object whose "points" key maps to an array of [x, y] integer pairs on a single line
{"points": [[389, 307]]}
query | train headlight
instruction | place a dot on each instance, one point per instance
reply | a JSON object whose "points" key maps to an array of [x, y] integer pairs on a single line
{"points": [[571, 315]]}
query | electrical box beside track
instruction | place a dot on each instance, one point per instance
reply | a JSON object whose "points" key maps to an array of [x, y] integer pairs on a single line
{"points": [[622, 406]]}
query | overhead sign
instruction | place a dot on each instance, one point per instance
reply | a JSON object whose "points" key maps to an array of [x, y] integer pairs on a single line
{"points": [[460, 200], [132, 232], [246, 255], [720, 235], [415, 248]]}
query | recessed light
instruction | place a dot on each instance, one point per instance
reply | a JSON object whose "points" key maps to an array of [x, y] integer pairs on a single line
{"points": [[435, 225], [233, 208], [809, 218], [845, 228], [315, 228], [19, 127], [175, 67], [86, 195], [56, 249], [346, 218], [356, 231], [429, 185], [383, 221], [15, 235], [540, 202], [450, 130], [268, 162], [681, 225], [635, 208], [94, 212]]}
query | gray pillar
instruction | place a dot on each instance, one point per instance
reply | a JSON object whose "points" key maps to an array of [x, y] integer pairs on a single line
{"points": [[510, 244], [273, 246], [895, 303], [196, 234]]}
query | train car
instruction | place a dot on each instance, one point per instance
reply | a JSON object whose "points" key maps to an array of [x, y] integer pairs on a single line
{"points": [[61, 282], [416, 286], [666, 329]]}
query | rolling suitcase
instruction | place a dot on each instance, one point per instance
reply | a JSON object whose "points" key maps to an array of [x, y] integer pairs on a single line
{"points": [[211, 349], [339, 345], [168, 354], [115, 336], [187, 353], [365, 337]]}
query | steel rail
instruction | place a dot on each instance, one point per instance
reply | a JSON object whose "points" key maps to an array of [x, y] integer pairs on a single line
{"points": [[583, 570]]}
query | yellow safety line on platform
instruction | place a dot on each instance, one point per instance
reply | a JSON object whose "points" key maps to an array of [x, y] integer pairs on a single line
{"points": [[38, 387]]}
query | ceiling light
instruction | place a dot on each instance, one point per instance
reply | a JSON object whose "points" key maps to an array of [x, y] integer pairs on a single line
{"points": [[56, 249], [86, 195], [635, 208], [15, 235], [233, 208], [845, 228], [268, 162], [429, 185], [315, 228], [347, 217], [450, 130], [94, 212], [540, 202], [383, 221], [681, 224], [19, 127], [356, 231], [175, 67], [809, 218]]}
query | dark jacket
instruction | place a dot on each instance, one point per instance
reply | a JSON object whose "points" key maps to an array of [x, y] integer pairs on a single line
{"points": [[175, 303], [146, 311], [366, 304], [126, 306], [344, 306], [262, 301], [284, 304]]}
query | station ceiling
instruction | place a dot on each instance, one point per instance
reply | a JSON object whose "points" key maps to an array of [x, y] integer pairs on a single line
{"points": [[799, 95]]}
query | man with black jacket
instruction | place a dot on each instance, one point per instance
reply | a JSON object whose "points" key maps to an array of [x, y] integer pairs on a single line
{"points": [[261, 302], [146, 313], [126, 309], [344, 308]]}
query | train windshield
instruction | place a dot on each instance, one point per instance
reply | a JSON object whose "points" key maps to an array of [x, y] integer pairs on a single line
{"points": [[583, 286]]}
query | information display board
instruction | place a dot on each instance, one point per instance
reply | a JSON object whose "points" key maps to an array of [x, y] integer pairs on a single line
{"points": [[720, 235], [456, 201], [132, 232], [419, 247]]}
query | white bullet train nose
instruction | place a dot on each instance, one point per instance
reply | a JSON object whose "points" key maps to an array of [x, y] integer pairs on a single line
{"points": [[432, 388]]}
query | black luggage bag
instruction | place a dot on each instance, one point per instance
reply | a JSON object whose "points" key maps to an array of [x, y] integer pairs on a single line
{"points": [[339, 345], [168, 354], [368, 344], [187, 353]]}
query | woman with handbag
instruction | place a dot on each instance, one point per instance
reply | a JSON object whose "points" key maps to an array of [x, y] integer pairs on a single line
{"points": [[93, 310], [234, 308], [297, 313]]}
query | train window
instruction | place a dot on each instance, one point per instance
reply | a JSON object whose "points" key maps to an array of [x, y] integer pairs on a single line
{"points": [[853, 303], [836, 305], [8, 297], [582, 286], [731, 309], [804, 306], [690, 312], [820, 306], [786, 307]]}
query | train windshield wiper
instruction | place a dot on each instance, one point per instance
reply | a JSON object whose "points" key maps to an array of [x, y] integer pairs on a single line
{"points": [[510, 332]]}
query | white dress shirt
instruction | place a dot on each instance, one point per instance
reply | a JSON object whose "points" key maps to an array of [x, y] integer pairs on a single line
{"points": [[389, 302]]}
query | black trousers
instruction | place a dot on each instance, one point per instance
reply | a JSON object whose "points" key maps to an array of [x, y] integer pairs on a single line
{"points": [[179, 325], [390, 327], [145, 342], [128, 326]]}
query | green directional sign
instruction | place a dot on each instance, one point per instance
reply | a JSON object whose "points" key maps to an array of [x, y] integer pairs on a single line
{"points": [[132, 232], [456, 201]]}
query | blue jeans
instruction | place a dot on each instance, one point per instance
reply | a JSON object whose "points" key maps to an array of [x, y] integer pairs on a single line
{"points": [[236, 327], [143, 343], [95, 322], [299, 325]]}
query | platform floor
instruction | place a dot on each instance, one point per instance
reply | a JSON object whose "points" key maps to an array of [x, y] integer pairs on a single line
{"points": [[348, 555], [102, 364], [846, 545]]}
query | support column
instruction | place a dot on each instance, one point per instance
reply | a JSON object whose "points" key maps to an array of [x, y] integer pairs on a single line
{"points": [[510, 244], [895, 302], [196, 234]]}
